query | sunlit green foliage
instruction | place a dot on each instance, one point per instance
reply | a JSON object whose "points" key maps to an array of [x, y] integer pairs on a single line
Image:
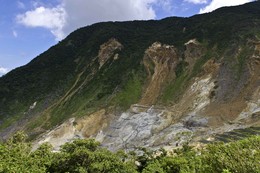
{"points": [[131, 92], [80, 156], [87, 156], [16, 156]]}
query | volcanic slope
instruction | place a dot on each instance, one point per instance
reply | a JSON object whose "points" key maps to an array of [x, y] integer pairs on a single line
{"points": [[141, 83]]}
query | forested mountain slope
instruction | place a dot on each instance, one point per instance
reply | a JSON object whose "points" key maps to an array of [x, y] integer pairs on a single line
{"points": [[149, 83]]}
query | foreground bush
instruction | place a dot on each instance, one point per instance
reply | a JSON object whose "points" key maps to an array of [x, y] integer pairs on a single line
{"points": [[236, 157], [87, 156]]}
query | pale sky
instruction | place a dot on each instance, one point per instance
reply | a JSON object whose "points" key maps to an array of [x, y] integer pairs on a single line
{"points": [[30, 27]]}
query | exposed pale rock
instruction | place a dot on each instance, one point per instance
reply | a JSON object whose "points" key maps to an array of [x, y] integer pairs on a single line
{"points": [[196, 97], [152, 128], [108, 50], [75, 128], [253, 106], [58, 136], [33, 105]]}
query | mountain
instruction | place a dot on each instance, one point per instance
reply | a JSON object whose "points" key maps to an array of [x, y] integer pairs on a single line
{"points": [[142, 83]]}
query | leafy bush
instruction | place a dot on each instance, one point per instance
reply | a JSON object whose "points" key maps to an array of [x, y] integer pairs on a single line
{"points": [[87, 155]]}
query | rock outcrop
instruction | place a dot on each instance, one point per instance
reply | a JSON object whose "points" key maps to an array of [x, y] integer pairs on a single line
{"points": [[160, 62], [108, 50]]}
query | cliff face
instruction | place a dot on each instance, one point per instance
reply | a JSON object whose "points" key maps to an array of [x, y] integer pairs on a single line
{"points": [[134, 86], [160, 62]]}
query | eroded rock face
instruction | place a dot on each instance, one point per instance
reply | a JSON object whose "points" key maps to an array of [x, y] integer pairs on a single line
{"points": [[72, 129], [147, 126], [252, 110], [194, 51], [108, 50], [234, 92], [151, 128], [160, 62], [197, 96], [155, 127], [197, 115]]}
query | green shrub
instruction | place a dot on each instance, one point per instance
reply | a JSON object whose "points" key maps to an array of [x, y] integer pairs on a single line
{"points": [[87, 155]]}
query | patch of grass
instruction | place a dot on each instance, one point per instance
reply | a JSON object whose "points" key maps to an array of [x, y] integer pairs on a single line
{"points": [[130, 93], [241, 64], [9, 121], [175, 89], [181, 68], [238, 134], [37, 122], [200, 62]]}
